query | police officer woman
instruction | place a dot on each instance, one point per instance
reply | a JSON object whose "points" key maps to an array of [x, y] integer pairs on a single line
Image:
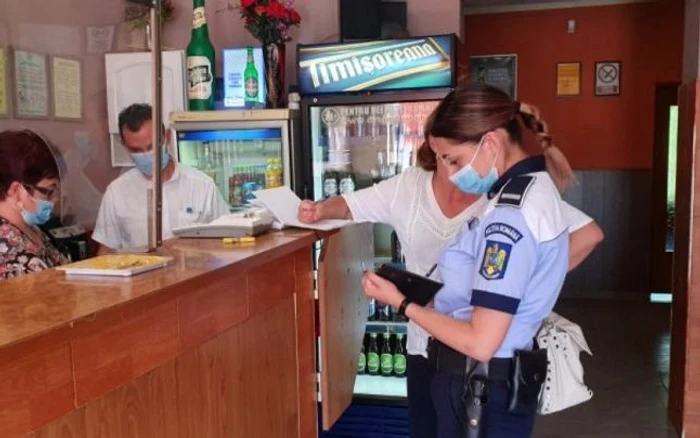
{"points": [[503, 273]]}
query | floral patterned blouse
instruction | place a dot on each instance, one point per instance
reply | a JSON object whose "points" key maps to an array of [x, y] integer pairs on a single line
{"points": [[19, 255]]}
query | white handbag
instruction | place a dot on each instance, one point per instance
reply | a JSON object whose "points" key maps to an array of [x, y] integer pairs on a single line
{"points": [[564, 385]]}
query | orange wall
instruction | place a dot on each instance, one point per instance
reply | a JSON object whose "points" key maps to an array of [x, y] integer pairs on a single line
{"points": [[594, 132]]}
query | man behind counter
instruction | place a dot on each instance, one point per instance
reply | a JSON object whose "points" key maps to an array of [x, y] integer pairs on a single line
{"points": [[189, 195]]}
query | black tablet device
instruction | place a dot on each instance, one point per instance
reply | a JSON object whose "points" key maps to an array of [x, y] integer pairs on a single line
{"points": [[419, 290]]}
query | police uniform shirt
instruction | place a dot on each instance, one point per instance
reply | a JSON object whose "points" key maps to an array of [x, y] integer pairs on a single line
{"points": [[514, 259], [189, 196], [407, 203]]}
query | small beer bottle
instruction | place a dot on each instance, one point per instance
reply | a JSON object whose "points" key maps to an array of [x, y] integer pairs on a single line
{"points": [[373, 355], [399, 357], [200, 63], [250, 77], [387, 358]]}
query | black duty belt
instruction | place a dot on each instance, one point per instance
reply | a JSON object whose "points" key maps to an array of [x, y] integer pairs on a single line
{"points": [[446, 359]]}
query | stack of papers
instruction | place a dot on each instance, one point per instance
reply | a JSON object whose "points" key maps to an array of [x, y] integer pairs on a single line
{"points": [[284, 205]]}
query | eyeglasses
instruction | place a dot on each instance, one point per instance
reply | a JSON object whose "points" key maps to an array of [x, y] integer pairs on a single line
{"points": [[43, 190]]}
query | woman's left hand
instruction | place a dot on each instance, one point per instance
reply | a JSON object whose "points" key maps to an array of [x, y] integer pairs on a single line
{"points": [[382, 290]]}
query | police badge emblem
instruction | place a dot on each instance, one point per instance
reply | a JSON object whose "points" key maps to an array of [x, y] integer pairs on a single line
{"points": [[495, 262]]}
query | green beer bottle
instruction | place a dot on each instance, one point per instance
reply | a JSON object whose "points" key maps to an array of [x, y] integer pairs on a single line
{"points": [[373, 355], [399, 357], [200, 62], [250, 77], [386, 360]]}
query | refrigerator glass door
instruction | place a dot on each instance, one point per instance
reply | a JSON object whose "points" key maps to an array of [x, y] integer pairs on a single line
{"points": [[239, 160], [354, 147]]}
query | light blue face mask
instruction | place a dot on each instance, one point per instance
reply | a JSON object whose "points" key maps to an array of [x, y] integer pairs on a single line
{"points": [[41, 215], [468, 180], [144, 161]]}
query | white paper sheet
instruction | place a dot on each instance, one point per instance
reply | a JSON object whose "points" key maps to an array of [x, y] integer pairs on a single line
{"points": [[284, 205]]}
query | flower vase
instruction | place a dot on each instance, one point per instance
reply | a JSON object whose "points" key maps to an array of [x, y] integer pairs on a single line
{"points": [[273, 57]]}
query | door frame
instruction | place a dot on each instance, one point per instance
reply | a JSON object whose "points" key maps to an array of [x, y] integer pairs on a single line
{"points": [[666, 95]]}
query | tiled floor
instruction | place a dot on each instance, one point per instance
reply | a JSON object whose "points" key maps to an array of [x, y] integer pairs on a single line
{"points": [[628, 372]]}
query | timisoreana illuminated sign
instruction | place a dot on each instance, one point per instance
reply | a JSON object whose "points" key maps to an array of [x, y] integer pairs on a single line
{"points": [[378, 65]]}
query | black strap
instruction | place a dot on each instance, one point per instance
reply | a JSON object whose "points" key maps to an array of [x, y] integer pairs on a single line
{"points": [[403, 306]]}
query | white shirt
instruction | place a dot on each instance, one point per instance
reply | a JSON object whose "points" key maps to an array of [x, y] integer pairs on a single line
{"points": [[189, 196], [407, 203]]}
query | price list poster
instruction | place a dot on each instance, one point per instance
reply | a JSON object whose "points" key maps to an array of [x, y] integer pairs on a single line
{"points": [[31, 85], [67, 89]]}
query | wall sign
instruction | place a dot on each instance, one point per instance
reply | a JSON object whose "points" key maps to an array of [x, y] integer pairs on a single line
{"points": [[608, 77], [498, 70], [402, 64], [31, 85], [4, 82], [568, 79], [67, 87]]}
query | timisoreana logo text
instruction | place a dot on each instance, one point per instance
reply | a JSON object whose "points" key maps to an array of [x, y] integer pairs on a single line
{"points": [[361, 66]]}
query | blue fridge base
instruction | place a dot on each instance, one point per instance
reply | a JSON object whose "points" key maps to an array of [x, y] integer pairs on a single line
{"points": [[369, 421]]}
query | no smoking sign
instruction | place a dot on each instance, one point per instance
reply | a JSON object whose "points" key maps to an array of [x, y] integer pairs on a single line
{"points": [[607, 78]]}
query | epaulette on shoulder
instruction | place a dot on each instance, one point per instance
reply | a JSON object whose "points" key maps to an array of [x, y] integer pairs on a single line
{"points": [[513, 193]]}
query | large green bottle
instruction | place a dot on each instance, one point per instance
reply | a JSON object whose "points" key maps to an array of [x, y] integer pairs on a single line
{"points": [[200, 62], [250, 77]]}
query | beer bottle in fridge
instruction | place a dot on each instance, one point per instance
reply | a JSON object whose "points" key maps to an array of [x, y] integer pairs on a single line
{"points": [[399, 357], [200, 63], [387, 358], [330, 184], [346, 182], [362, 362], [373, 355]]}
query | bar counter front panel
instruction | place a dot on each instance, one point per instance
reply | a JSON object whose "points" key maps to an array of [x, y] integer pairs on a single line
{"points": [[219, 344]]}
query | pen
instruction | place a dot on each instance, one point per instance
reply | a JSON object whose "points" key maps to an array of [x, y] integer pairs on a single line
{"points": [[431, 271], [246, 239]]}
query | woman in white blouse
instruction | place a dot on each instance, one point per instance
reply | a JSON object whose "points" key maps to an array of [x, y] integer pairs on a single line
{"points": [[427, 210]]}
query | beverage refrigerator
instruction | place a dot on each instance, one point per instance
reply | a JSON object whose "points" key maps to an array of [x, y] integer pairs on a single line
{"points": [[242, 151], [364, 106]]}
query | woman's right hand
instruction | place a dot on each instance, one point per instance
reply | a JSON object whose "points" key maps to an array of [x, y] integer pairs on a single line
{"points": [[309, 212]]}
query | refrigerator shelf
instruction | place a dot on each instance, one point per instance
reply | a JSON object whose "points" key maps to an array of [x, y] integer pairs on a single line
{"points": [[388, 323], [380, 386]]}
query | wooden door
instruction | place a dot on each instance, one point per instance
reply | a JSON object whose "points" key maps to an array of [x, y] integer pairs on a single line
{"points": [[342, 314]]}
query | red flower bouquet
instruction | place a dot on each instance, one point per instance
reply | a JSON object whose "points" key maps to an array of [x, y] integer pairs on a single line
{"points": [[269, 21]]}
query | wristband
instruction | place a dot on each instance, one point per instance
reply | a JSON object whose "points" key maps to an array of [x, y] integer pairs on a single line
{"points": [[403, 306]]}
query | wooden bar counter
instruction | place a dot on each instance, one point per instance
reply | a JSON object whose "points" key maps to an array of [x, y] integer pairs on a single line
{"points": [[221, 343]]}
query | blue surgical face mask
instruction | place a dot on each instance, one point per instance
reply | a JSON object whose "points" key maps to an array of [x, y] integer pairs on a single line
{"points": [[144, 161], [468, 180], [41, 215]]}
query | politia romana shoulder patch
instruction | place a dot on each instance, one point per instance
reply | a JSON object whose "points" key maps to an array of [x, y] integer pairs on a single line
{"points": [[495, 262], [505, 230]]}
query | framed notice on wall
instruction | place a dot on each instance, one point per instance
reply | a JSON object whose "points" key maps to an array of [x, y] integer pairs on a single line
{"points": [[67, 86], [4, 84], [31, 85], [497, 70], [608, 77], [568, 79]]}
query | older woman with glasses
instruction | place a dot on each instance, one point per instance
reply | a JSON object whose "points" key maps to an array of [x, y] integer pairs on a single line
{"points": [[29, 180]]}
